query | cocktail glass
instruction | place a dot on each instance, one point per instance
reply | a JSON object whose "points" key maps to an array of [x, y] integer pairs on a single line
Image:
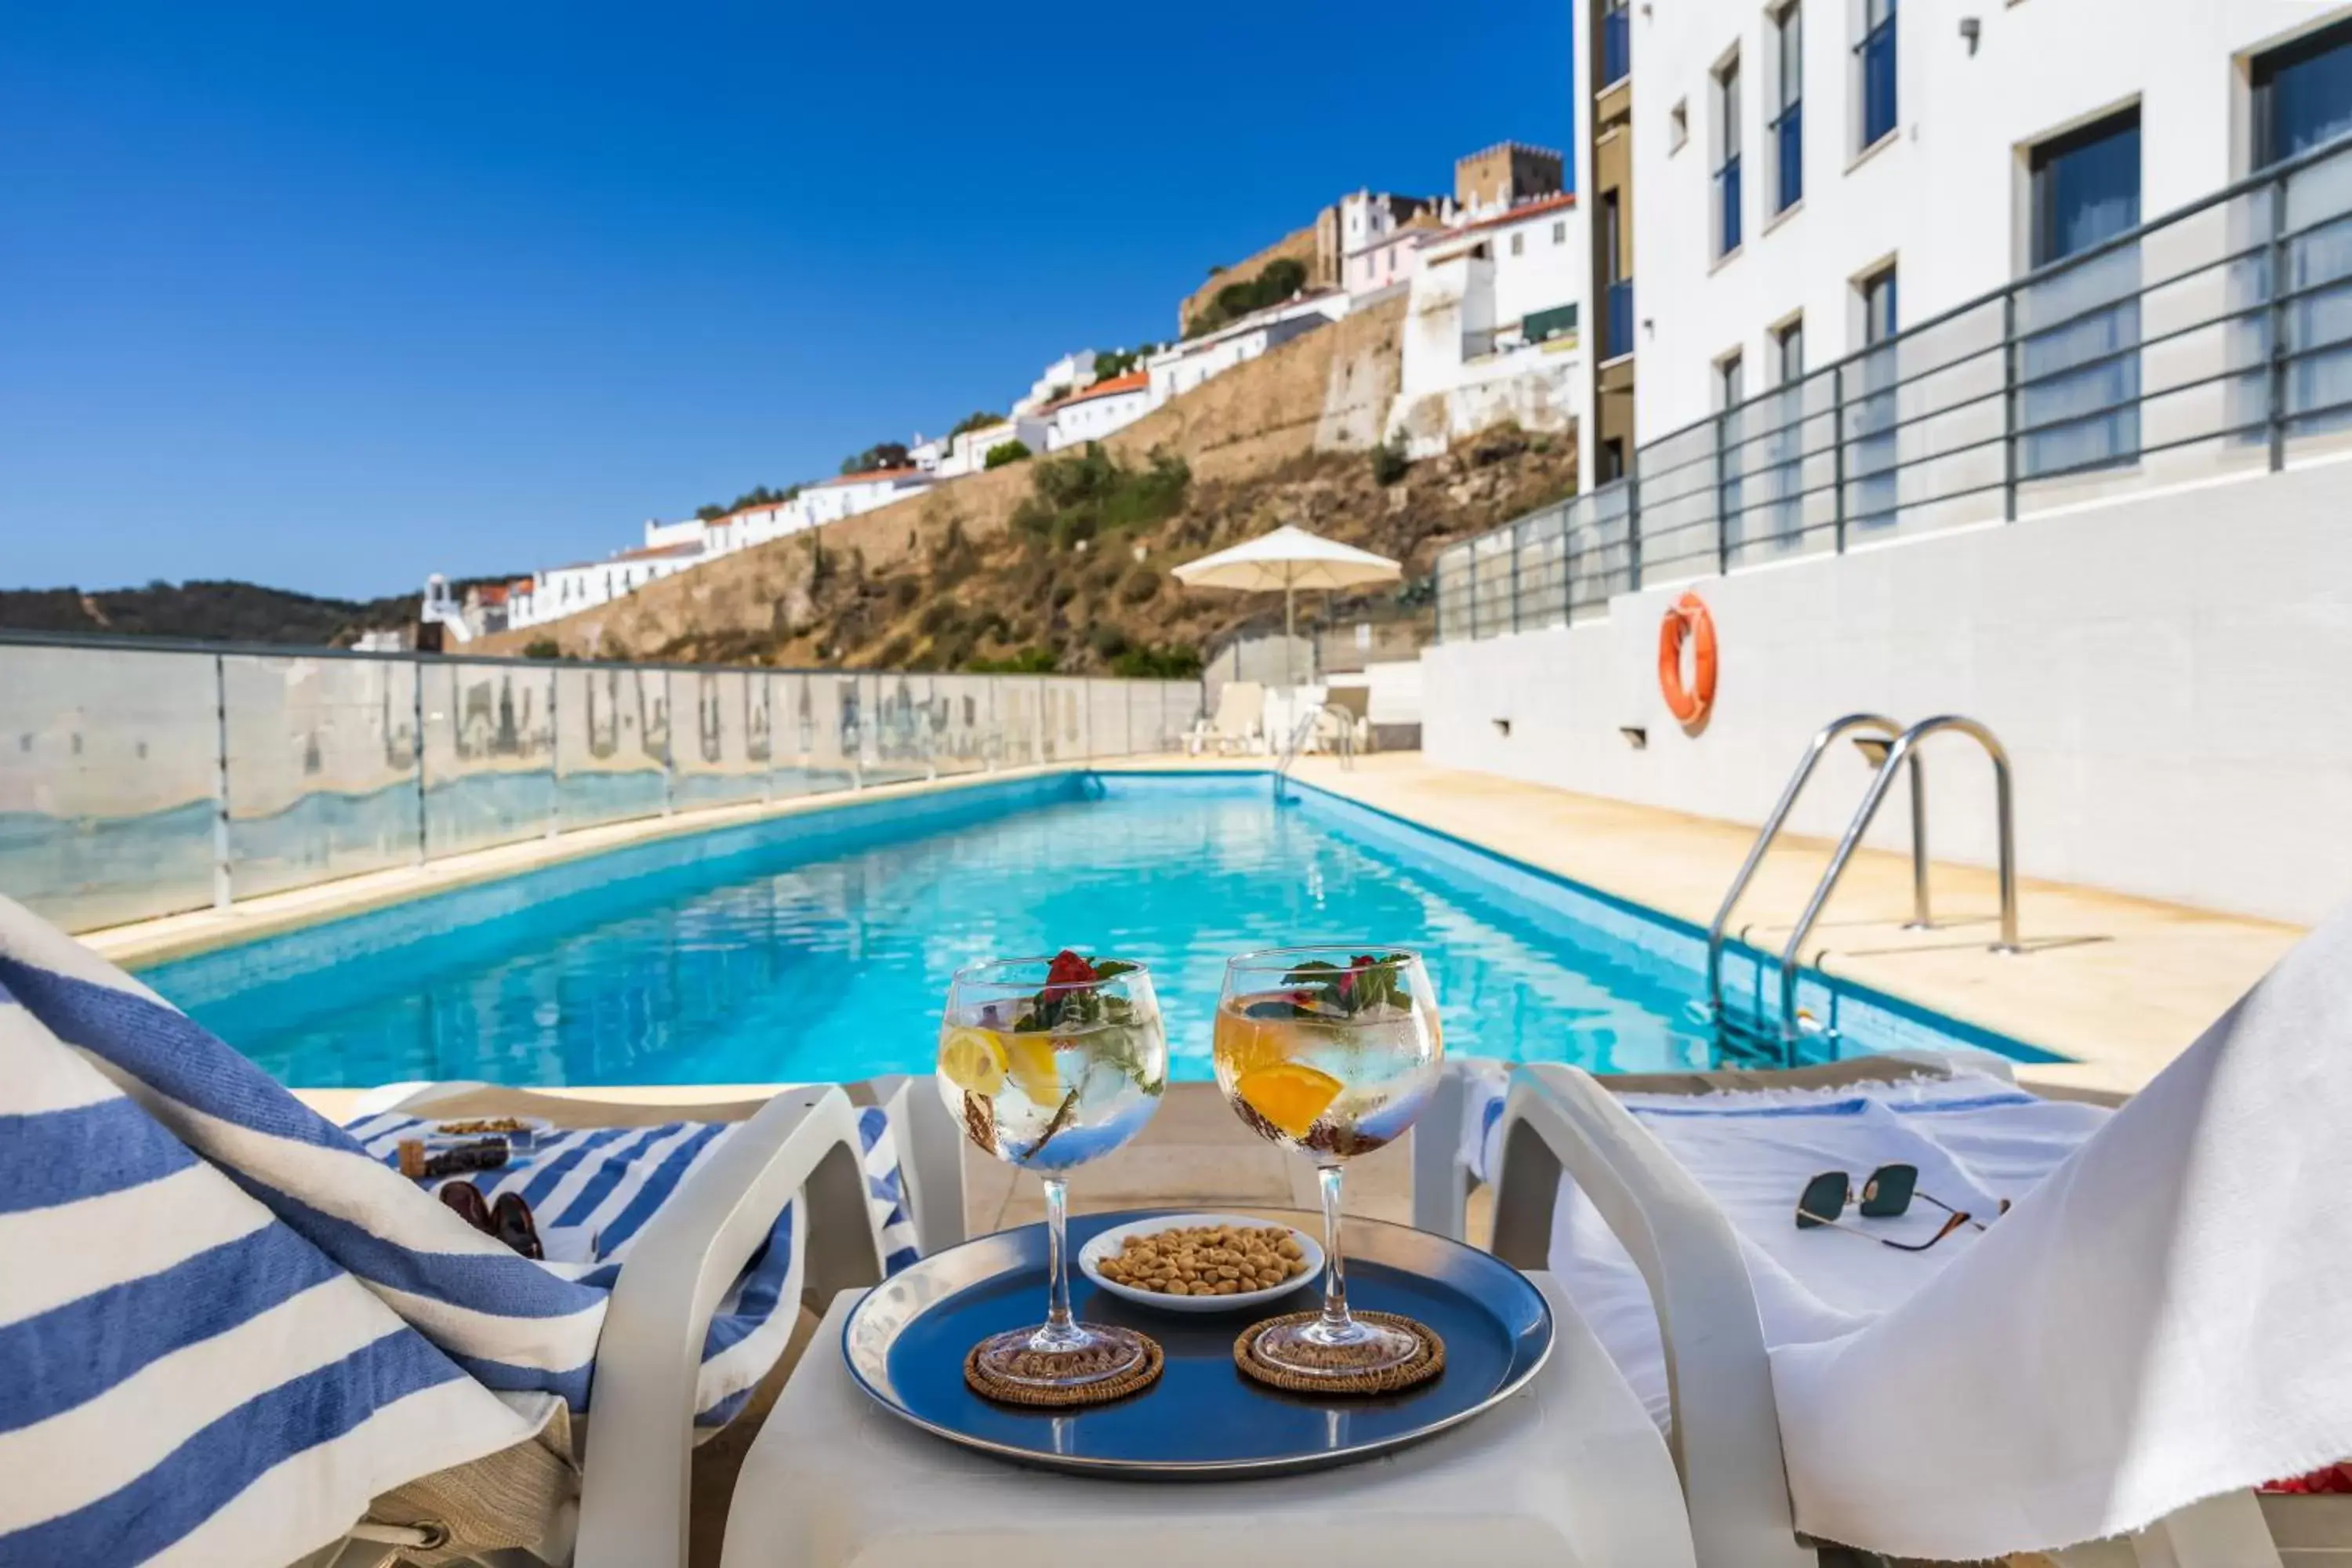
{"points": [[1051, 1062], [1333, 1052]]}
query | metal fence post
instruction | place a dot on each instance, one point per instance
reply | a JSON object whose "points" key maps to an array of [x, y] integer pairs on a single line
{"points": [[416, 668], [1633, 528], [223, 890], [1518, 543], [1722, 485], [2278, 270], [554, 753], [2008, 406], [669, 743], [1837, 452]]}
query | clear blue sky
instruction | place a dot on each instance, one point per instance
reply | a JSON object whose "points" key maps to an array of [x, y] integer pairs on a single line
{"points": [[330, 295]]}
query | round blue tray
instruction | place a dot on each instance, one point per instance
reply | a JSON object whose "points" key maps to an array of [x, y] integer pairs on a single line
{"points": [[906, 1341]]}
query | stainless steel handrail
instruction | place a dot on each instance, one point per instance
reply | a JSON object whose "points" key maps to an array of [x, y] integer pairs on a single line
{"points": [[1304, 730], [1822, 739], [1896, 755]]}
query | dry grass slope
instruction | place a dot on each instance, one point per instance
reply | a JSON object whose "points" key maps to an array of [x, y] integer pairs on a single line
{"points": [[936, 583]]}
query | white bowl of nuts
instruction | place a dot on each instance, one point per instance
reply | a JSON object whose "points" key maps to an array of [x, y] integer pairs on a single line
{"points": [[1200, 1262]]}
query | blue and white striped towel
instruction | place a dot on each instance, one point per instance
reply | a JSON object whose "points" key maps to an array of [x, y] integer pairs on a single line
{"points": [[184, 1377], [591, 1190], [522, 1329]]}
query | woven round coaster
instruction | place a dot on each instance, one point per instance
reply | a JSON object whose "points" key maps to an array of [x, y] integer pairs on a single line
{"points": [[989, 1386], [1390, 1380]]}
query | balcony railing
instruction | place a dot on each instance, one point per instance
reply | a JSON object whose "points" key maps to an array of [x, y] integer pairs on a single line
{"points": [[1618, 335], [146, 778], [2215, 341], [1616, 46]]}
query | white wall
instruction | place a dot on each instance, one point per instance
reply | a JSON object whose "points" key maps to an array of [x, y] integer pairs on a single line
{"points": [[1942, 197], [1097, 418], [2167, 673], [1548, 269]]}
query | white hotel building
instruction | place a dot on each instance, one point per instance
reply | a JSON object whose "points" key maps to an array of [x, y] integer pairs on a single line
{"points": [[1773, 187], [1992, 359]]}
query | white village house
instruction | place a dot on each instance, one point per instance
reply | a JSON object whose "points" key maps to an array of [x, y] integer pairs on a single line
{"points": [[1101, 409]]}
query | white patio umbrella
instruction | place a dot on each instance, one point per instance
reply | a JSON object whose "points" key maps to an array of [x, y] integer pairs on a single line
{"points": [[1289, 558]]}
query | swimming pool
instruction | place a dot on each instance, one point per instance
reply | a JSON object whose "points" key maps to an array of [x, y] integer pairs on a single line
{"points": [[818, 946]]}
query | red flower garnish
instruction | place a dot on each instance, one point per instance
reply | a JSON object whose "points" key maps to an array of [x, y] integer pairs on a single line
{"points": [[1069, 969], [2334, 1479]]}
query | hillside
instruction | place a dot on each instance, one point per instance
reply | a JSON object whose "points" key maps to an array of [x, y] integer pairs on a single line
{"points": [[210, 611], [1063, 563]]}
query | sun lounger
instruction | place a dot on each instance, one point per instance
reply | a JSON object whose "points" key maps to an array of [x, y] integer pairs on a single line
{"points": [[2155, 1327], [1238, 725], [228, 1330]]}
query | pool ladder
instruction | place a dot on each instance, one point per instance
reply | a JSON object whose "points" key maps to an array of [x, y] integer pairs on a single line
{"points": [[1892, 748], [1303, 731]]}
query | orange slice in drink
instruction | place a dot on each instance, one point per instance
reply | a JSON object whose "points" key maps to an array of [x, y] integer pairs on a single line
{"points": [[1290, 1095]]}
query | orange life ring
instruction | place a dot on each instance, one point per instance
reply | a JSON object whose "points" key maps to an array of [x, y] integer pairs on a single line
{"points": [[1687, 617]]}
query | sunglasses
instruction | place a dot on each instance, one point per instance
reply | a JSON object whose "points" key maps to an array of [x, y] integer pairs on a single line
{"points": [[1887, 1193]]}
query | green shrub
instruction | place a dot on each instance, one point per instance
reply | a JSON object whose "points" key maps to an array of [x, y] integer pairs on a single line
{"points": [[1277, 280], [975, 420], [1077, 496], [1174, 662], [1028, 661], [1388, 462], [542, 647], [1005, 452], [1108, 641]]}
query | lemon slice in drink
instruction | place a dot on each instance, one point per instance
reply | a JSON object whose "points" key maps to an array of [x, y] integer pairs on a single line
{"points": [[972, 1061], [1290, 1095], [1031, 1063]]}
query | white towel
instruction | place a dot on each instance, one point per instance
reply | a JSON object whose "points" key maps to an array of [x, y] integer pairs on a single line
{"points": [[2166, 1318], [1974, 1139]]}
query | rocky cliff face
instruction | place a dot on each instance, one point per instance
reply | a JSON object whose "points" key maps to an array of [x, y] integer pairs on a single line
{"points": [[1064, 562]]}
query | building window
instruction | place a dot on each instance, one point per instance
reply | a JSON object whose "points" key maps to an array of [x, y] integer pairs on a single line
{"points": [[1878, 306], [1616, 41], [1788, 353], [2303, 94], [1874, 59], [1612, 459], [1787, 145], [1730, 380], [1518, 244], [1727, 168], [2078, 382], [1560, 232]]}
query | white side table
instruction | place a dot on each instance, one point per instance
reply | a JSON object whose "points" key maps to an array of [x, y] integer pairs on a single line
{"points": [[1568, 1473]]}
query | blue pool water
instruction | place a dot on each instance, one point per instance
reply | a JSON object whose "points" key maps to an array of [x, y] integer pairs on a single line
{"points": [[819, 947]]}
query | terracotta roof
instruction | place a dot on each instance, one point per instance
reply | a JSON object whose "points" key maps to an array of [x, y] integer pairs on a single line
{"points": [[1133, 381], [870, 475], [494, 594], [1523, 211], [523, 585]]}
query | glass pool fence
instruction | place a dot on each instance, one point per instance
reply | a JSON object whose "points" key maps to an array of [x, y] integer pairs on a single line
{"points": [[139, 780]]}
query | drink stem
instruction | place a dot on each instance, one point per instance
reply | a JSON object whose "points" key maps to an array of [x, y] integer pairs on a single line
{"points": [[1059, 1330], [1336, 1321]]}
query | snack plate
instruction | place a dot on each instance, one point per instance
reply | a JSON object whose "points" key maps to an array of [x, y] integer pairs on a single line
{"points": [[905, 1346], [1107, 1243]]}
